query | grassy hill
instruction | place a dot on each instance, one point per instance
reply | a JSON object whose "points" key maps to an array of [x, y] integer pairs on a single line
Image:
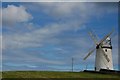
{"points": [[54, 74]]}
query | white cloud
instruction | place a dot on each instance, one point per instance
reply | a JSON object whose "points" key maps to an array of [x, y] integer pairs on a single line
{"points": [[80, 10], [36, 38], [22, 56], [65, 10], [13, 14], [48, 31]]}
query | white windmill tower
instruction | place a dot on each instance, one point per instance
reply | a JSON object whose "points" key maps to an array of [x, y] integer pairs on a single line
{"points": [[103, 59]]}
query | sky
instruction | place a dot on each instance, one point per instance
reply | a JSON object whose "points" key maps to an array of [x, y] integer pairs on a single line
{"points": [[47, 35]]}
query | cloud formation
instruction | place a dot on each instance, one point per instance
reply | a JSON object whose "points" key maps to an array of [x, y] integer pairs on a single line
{"points": [[80, 9], [56, 41], [15, 14]]}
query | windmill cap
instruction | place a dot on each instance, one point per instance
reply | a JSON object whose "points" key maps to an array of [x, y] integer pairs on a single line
{"points": [[108, 38]]}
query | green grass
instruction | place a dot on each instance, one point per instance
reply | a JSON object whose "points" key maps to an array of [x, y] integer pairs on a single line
{"points": [[53, 74]]}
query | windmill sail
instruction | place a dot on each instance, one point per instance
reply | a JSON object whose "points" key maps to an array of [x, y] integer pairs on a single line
{"points": [[105, 55], [93, 36], [89, 54], [106, 37]]}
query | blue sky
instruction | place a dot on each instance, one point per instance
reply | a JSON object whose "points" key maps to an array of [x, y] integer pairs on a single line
{"points": [[46, 35]]}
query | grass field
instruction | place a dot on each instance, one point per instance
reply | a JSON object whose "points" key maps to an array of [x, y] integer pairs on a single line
{"points": [[53, 74]]}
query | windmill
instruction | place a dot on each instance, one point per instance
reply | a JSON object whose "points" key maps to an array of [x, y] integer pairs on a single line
{"points": [[103, 59]]}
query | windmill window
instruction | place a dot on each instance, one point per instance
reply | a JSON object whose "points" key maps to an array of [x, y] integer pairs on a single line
{"points": [[105, 50]]}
